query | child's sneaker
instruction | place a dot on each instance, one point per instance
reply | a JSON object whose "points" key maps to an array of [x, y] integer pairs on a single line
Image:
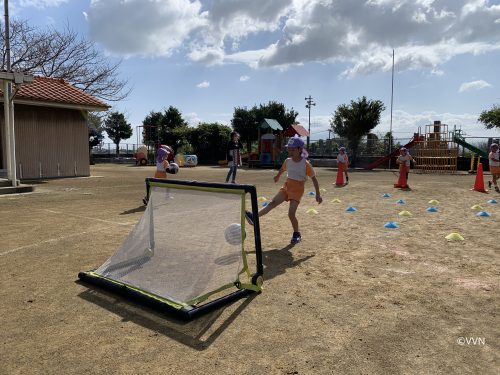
{"points": [[249, 217], [295, 238], [145, 201], [497, 189]]}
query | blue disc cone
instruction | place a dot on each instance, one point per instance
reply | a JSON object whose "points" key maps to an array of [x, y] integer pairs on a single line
{"points": [[312, 193], [351, 209], [432, 209], [391, 225], [483, 213], [492, 201], [386, 195], [401, 201], [264, 204]]}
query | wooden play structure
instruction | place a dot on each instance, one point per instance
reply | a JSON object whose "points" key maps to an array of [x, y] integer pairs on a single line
{"points": [[436, 150], [270, 141]]}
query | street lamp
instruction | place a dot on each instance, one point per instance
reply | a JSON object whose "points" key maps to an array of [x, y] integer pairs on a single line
{"points": [[310, 102]]}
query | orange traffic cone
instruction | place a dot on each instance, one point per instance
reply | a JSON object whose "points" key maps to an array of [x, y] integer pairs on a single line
{"points": [[340, 177], [479, 184], [402, 183]]}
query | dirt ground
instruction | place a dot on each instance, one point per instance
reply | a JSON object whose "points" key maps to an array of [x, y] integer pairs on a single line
{"points": [[352, 298]]}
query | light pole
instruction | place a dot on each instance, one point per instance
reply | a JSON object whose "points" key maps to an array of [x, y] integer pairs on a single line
{"points": [[310, 103]]}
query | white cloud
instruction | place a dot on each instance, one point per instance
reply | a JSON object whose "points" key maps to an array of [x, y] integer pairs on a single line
{"points": [[143, 28], [244, 78], [279, 33], [474, 85], [203, 85]]}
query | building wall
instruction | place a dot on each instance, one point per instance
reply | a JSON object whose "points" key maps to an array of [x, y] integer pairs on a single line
{"points": [[50, 142]]}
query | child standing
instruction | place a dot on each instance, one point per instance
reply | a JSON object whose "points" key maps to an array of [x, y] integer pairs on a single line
{"points": [[343, 162], [298, 169], [494, 160], [233, 156], [163, 154], [404, 160]]}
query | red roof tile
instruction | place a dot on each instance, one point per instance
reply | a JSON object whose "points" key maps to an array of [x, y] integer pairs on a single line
{"points": [[57, 90]]}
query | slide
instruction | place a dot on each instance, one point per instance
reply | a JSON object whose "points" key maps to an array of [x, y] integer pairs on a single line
{"points": [[395, 153], [459, 140]]}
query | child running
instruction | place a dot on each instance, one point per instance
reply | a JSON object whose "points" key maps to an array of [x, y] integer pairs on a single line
{"points": [[343, 162], [494, 160], [298, 169]]}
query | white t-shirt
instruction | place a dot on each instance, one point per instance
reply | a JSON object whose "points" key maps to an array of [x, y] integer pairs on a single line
{"points": [[298, 170], [494, 155], [342, 158], [405, 159]]}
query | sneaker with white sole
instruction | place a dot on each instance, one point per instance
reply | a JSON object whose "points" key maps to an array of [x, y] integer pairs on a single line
{"points": [[296, 238]]}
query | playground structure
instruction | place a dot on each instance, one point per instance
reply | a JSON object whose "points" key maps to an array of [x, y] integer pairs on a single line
{"points": [[436, 151], [270, 142]]}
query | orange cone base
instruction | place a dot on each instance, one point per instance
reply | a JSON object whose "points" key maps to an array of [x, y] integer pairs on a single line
{"points": [[479, 183], [401, 186], [340, 177]]}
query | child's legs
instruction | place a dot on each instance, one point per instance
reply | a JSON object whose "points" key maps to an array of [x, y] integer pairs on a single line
{"points": [[229, 173], [276, 201], [495, 177], [235, 169], [292, 209]]}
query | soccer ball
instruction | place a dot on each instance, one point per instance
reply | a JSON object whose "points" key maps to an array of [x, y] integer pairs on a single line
{"points": [[173, 168], [233, 234]]}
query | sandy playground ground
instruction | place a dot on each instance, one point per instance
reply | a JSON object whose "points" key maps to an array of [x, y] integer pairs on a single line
{"points": [[352, 298]]}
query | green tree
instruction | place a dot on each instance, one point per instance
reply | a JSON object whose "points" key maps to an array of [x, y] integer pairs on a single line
{"points": [[117, 128], [278, 112], [246, 122], [355, 120], [209, 141], [166, 128], [491, 118]]}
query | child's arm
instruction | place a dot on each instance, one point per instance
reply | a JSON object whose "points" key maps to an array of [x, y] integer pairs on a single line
{"points": [[280, 172], [277, 177], [314, 180]]}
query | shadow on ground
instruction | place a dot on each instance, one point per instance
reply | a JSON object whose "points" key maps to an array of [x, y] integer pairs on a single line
{"points": [[198, 334]]}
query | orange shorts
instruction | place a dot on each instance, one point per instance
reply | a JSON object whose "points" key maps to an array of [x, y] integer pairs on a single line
{"points": [[494, 170], [293, 190], [160, 174]]}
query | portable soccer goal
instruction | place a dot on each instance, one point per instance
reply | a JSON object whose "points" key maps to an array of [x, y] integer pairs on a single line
{"points": [[186, 255]]}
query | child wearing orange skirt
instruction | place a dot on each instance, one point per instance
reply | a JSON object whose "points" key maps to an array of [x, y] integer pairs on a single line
{"points": [[298, 169]]}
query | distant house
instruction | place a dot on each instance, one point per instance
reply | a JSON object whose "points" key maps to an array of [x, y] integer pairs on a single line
{"points": [[50, 119]]}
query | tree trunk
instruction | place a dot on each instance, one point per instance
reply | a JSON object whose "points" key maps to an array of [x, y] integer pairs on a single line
{"points": [[117, 149]]}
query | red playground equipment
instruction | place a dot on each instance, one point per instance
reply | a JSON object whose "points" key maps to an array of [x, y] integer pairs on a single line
{"points": [[417, 137]]}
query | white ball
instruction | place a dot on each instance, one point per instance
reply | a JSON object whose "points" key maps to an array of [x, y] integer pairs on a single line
{"points": [[233, 234], [173, 168]]}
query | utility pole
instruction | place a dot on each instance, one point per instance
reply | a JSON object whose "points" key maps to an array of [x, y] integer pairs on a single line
{"points": [[310, 103], [392, 99]]}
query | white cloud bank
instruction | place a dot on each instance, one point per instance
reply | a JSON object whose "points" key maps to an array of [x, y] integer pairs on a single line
{"points": [[474, 85], [203, 85], [425, 33]]}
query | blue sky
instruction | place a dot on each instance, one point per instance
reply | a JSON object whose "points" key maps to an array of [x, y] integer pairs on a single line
{"points": [[208, 57]]}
